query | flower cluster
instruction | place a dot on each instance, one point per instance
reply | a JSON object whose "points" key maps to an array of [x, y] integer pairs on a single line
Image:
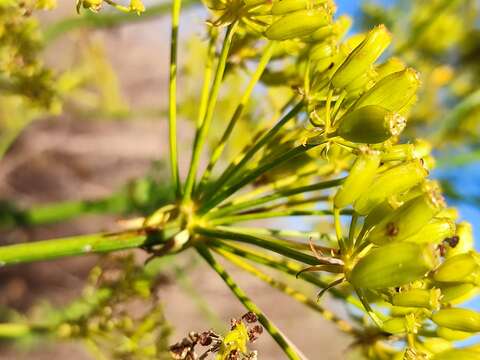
{"points": [[406, 262]]}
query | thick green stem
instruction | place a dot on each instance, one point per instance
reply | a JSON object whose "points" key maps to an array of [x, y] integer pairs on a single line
{"points": [[202, 132], [217, 152], [294, 294], [264, 242], [70, 246], [275, 196], [231, 171], [172, 97], [249, 305]]}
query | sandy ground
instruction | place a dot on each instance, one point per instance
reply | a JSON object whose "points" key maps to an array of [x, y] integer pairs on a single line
{"points": [[69, 158]]}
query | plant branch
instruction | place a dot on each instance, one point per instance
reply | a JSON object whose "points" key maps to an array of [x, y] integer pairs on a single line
{"points": [[295, 294], [286, 346], [284, 265], [231, 171], [283, 183], [275, 196], [264, 242], [202, 131], [207, 77], [172, 97], [255, 173], [273, 214], [71, 246], [217, 152]]}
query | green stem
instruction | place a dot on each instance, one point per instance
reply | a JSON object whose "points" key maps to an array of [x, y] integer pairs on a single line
{"points": [[351, 231], [295, 202], [275, 196], [279, 232], [281, 264], [207, 77], [249, 305], [255, 173], [272, 214], [373, 315], [231, 171], [264, 242], [201, 133], [294, 294], [172, 97], [259, 232], [284, 265], [217, 152], [70, 246], [338, 230], [336, 107], [283, 183]]}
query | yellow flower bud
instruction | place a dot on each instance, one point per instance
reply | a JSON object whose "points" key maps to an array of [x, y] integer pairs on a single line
{"points": [[297, 24], [423, 298], [395, 326], [399, 152], [436, 345], [283, 7], [338, 29], [370, 125], [457, 293], [362, 57], [434, 232], [458, 319], [137, 6], [400, 325], [359, 178], [392, 265], [361, 84], [459, 268], [392, 92], [451, 213], [453, 335], [458, 354], [321, 51], [395, 180], [408, 219], [390, 66]]}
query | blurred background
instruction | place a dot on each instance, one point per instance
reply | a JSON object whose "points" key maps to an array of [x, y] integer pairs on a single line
{"points": [[105, 126]]}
